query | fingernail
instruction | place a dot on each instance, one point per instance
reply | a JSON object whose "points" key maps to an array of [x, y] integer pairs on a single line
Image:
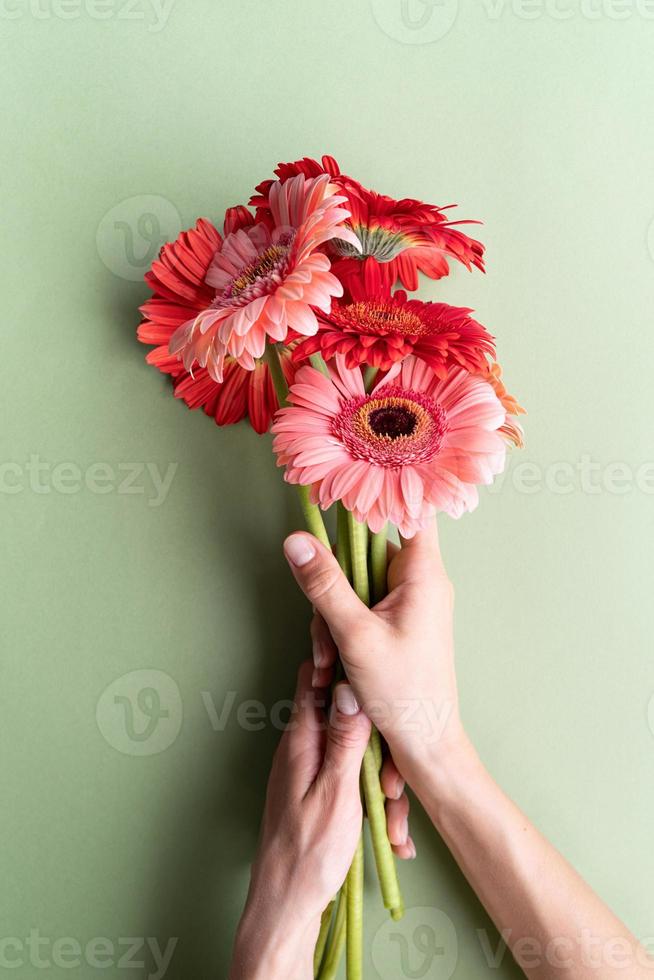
{"points": [[345, 700], [412, 848], [298, 550], [404, 832], [320, 678], [319, 658], [399, 789]]}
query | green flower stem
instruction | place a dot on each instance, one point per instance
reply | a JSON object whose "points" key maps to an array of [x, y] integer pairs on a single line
{"points": [[313, 517], [325, 923], [372, 791], [334, 951], [376, 811], [354, 949], [358, 551], [379, 564], [343, 541], [271, 356], [375, 741], [312, 513]]}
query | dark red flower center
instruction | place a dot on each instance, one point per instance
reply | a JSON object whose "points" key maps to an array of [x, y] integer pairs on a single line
{"points": [[393, 421]]}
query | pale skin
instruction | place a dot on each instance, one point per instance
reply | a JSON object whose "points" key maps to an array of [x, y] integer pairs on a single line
{"points": [[399, 662]]}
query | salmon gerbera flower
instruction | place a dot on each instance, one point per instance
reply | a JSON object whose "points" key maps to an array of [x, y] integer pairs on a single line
{"points": [[266, 276], [380, 331], [180, 293], [416, 444], [398, 238]]}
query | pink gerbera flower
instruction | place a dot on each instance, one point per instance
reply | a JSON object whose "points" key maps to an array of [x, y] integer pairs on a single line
{"points": [[414, 445], [266, 276], [399, 238], [381, 330], [180, 293]]}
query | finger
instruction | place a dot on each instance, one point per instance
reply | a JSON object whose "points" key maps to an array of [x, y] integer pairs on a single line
{"points": [[306, 713], [392, 783], [405, 852], [302, 745], [324, 652], [318, 574], [322, 678], [397, 820], [348, 733], [418, 560]]}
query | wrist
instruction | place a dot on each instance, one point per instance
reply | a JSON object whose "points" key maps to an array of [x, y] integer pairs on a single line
{"points": [[433, 740], [275, 946], [440, 773]]}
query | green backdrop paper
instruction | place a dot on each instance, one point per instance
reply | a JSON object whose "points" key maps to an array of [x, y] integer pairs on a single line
{"points": [[124, 123]]}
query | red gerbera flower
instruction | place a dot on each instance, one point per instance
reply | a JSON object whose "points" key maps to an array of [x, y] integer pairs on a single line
{"points": [[382, 331], [398, 238], [180, 293]]}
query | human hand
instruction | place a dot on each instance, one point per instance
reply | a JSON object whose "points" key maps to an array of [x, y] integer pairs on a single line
{"points": [[311, 825], [399, 655]]}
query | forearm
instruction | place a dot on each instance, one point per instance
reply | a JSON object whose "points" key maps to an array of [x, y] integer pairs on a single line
{"points": [[552, 921]]}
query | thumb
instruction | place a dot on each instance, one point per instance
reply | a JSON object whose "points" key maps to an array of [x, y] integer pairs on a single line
{"points": [[348, 733], [419, 560], [319, 576]]}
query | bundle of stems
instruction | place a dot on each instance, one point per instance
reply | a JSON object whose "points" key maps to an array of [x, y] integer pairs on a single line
{"points": [[363, 558]]}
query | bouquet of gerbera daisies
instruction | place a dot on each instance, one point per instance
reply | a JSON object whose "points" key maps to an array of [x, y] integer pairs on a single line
{"points": [[390, 408]]}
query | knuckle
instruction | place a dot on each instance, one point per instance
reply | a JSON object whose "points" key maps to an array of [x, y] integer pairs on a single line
{"points": [[321, 581], [344, 736]]}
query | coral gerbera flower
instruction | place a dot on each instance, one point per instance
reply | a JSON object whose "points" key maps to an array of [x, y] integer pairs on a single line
{"points": [[180, 293], [511, 429], [398, 238], [266, 276], [414, 445], [381, 331]]}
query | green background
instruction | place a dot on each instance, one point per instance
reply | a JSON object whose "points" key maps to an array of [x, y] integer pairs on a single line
{"points": [[538, 123]]}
